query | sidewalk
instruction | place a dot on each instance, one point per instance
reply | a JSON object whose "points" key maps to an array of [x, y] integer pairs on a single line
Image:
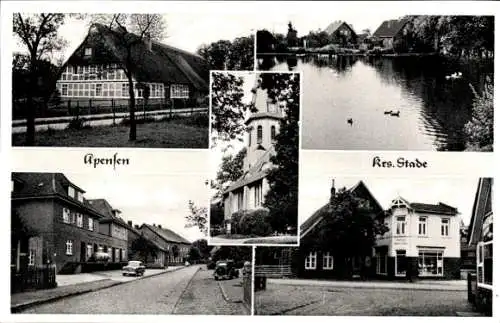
{"points": [[442, 285], [72, 285], [232, 290]]}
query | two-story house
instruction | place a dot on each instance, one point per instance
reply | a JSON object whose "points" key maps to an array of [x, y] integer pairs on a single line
{"points": [[423, 240], [60, 226], [94, 74], [176, 247], [114, 226], [248, 192]]}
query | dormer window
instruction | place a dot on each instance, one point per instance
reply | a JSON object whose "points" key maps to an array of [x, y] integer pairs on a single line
{"points": [[88, 52], [71, 191], [79, 196]]}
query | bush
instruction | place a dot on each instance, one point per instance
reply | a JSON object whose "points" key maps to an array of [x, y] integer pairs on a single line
{"points": [[479, 130], [256, 223], [78, 124], [235, 222]]}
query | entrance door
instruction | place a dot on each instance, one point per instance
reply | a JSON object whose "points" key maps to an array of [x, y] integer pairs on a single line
{"points": [[83, 251], [401, 263]]}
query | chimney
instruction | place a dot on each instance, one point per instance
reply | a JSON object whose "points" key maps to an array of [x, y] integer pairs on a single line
{"points": [[136, 226], [154, 225], [159, 226], [332, 191], [129, 223], [148, 42]]}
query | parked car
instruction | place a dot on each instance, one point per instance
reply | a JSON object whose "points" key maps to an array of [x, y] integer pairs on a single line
{"points": [[225, 269], [135, 268]]}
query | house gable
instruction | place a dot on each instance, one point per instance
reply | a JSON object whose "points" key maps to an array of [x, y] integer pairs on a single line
{"points": [[481, 207], [390, 28]]}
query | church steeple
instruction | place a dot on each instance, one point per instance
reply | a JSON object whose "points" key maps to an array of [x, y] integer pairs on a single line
{"points": [[262, 124]]}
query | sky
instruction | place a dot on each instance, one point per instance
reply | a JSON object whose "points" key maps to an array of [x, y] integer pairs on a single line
{"points": [[158, 199], [458, 192]]}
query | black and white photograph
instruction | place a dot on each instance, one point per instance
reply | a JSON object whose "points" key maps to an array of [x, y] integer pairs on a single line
{"points": [[255, 150], [388, 81], [119, 80], [383, 246], [127, 245]]}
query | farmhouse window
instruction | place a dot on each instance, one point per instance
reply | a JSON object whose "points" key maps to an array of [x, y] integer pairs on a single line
{"points": [[64, 91], [327, 261], [310, 262], [31, 257], [422, 226], [66, 215], [258, 194], [400, 225], [445, 226], [89, 251], [259, 134], [485, 263], [69, 247], [98, 89], [79, 220], [179, 91]]}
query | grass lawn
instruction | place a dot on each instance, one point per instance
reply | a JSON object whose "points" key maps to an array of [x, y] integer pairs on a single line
{"points": [[164, 134]]}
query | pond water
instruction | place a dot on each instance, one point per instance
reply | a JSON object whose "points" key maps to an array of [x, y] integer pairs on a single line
{"points": [[346, 101]]}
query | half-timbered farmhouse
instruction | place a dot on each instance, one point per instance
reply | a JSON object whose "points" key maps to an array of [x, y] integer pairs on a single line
{"points": [[94, 73]]}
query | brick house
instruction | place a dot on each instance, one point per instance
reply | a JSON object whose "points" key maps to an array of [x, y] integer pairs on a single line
{"points": [[112, 225], [63, 226], [94, 73], [247, 193], [391, 33], [176, 247], [341, 33], [480, 235]]}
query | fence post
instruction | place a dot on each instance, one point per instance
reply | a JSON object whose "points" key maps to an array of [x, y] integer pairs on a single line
{"points": [[247, 284], [113, 110]]}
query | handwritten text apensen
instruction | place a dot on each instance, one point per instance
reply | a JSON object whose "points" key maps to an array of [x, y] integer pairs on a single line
{"points": [[90, 159]]}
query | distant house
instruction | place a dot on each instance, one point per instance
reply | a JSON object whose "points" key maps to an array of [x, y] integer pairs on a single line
{"points": [[57, 224], [176, 247], [248, 192], [390, 32], [144, 249], [480, 235], [423, 239], [94, 72], [341, 33]]}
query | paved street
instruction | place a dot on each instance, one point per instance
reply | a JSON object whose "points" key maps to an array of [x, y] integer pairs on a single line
{"points": [[152, 295], [324, 300], [204, 296]]}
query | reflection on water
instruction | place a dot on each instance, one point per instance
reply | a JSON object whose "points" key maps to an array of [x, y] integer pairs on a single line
{"points": [[428, 111]]}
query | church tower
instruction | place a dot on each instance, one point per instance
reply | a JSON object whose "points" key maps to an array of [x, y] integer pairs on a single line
{"points": [[262, 125]]}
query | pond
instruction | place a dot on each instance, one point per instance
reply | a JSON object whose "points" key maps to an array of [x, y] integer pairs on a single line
{"points": [[347, 101]]}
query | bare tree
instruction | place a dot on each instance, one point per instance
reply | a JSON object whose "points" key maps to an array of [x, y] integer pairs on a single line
{"points": [[39, 34], [132, 30]]}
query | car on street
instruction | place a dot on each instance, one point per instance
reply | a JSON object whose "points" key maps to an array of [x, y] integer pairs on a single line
{"points": [[225, 269], [134, 268]]}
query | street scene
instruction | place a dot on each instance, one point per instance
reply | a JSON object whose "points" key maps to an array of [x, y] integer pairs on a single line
{"points": [[402, 256], [74, 251], [116, 80], [254, 140], [427, 81]]}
